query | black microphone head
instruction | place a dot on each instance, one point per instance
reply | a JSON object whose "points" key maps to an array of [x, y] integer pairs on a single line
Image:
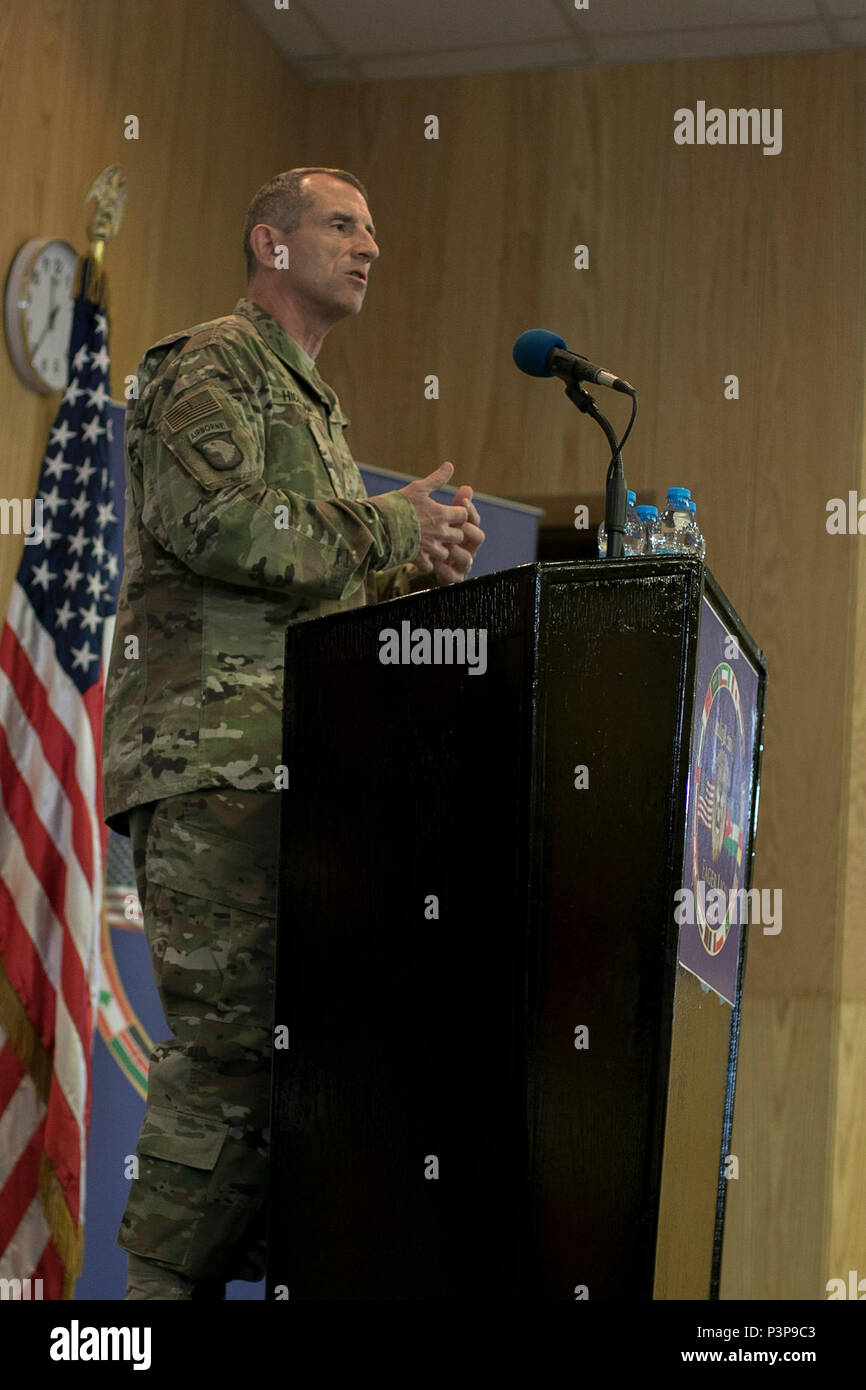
{"points": [[531, 351]]}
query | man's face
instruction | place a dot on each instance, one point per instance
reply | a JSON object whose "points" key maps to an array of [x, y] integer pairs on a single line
{"points": [[331, 251]]}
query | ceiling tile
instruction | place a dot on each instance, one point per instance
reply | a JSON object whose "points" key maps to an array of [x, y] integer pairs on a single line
{"points": [[621, 16], [416, 26], [497, 58], [344, 40], [711, 43], [291, 30]]}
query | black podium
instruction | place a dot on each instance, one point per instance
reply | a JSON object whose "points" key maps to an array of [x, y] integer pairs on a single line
{"points": [[507, 1013]]}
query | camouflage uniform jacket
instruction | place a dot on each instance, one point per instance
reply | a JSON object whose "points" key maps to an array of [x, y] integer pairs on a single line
{"points": [[245, 511]]}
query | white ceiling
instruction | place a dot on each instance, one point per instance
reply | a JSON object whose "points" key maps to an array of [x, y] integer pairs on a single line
{"points": [[374, 40]]}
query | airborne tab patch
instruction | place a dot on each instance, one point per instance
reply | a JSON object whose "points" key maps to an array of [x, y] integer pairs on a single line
{"points": [[192, 408], [209, 427]]}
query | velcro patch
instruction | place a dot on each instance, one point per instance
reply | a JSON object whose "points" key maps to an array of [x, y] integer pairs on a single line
{"points": [[209, 427], [221, 451], [289, 411], [191, 408]]}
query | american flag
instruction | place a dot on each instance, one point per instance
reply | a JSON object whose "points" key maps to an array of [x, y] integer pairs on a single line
{"points": [[707, 803], [52, 839]]}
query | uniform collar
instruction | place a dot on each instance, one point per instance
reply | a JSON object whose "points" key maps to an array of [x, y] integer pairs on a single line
{"points": [[288, 351]]}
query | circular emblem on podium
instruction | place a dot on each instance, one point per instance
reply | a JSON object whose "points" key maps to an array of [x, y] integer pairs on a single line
{"points": [[720, 776]]}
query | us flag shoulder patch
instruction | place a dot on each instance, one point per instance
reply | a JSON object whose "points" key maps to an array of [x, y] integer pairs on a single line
{"points": [[191, 408]]}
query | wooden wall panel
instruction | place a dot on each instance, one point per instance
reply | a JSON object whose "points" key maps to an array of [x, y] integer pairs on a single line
{"points": [[218, 109], [848, 1213], [777, 1215], [848, 1218], [704, 261]]}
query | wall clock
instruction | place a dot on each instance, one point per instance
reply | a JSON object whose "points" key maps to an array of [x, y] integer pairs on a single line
{"points": [[39, 300]]}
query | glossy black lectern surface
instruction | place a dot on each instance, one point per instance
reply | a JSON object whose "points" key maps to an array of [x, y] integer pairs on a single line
{"points": [[493, 1077]]}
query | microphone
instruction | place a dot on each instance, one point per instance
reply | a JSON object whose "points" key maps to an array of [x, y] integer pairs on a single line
{"points": [[539, 353]]}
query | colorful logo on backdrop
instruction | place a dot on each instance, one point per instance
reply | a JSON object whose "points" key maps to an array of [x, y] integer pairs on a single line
{"points": [[120, 1024], [721, 784]]}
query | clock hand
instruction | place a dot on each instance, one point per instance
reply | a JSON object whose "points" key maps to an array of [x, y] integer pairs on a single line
{"points": [[38, 342], [54, 310], [48, 327]]}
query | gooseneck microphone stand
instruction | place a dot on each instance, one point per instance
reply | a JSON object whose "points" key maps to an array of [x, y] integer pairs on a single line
{"points": [[616, 490]]}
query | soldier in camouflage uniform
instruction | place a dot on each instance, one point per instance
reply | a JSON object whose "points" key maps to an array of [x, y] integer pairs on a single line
{"points": [[245, 512]]}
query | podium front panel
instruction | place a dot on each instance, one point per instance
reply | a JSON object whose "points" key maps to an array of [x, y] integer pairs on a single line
{"points": [[477, 957]]}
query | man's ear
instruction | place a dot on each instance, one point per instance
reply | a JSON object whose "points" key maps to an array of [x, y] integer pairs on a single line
{"points": [[266, 242]]}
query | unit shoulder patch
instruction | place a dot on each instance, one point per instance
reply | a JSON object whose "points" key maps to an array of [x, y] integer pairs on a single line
{"points": [[220, 450]]}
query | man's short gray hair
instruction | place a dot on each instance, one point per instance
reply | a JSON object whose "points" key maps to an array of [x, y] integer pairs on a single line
{"points": [[281, 202]]}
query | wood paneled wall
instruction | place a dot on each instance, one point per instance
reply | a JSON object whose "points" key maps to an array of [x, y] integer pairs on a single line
{"points": [[703, 261], [219, 112]]}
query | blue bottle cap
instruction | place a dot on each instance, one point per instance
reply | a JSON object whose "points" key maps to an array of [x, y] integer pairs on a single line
{"points": [[678, 494], [647, 513], [630, 498]]}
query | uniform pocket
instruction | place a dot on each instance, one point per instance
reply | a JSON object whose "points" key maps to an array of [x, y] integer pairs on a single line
{"points": [[341, 468], [220, 866], [183, 1137], [287, 409], [294, 460], [166, 1214]]}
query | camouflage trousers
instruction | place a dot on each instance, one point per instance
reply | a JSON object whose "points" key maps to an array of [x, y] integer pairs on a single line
{"points": [[206, 869]]}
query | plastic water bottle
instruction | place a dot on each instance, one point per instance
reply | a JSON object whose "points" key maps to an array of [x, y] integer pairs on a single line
{"points": [[649, 517], [700, 544], [676, 517], [633, 536]]}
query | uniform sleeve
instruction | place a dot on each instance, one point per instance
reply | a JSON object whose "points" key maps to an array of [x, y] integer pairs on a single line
{"points": [[206, 500], [405, 579]]}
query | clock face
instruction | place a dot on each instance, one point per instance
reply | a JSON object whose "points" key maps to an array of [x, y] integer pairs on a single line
{"points": [[39, 312]]}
